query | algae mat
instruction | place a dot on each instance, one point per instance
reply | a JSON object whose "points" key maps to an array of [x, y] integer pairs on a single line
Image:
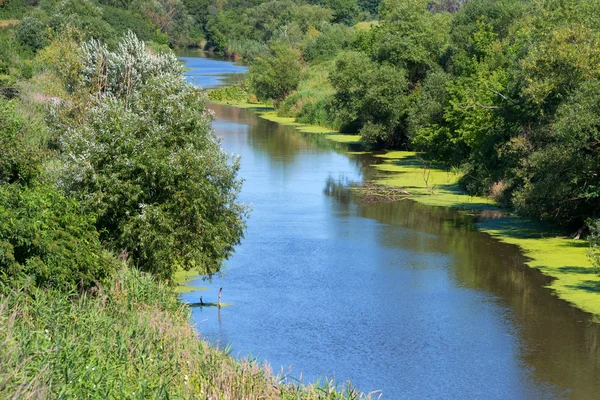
{"points": [[565, 260], [182, 281]]}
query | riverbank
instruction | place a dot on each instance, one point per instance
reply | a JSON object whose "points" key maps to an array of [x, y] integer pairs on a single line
{"points": [[546, 247], [131, 340]]}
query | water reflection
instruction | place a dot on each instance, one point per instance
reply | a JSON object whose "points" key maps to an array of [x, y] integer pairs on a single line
{"points": [[559, 342], [396, 296]]}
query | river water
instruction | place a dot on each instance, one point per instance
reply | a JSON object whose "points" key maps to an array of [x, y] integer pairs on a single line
{"points": [[401, 298]]}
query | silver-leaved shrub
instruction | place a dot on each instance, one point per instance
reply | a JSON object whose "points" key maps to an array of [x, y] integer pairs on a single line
{"points": [[142, 157]]}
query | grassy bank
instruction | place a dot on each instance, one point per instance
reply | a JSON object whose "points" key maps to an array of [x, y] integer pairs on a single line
{"points": [[564, 259], [130, 340]]}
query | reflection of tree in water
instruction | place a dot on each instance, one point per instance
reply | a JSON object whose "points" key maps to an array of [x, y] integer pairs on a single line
{"points": [[558, 340], [339, 189], [283, 143], [559, 343]]}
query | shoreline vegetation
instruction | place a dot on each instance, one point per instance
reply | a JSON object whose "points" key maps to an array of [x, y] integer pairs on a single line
{"points": [[548, 248], [101, 139], [105, 151], [132, 339]]}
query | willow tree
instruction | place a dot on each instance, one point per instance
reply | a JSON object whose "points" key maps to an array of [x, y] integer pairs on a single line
{"points": [[141, 155]]}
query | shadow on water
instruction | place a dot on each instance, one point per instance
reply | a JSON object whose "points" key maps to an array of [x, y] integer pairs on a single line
{"points": [[560, 343]]}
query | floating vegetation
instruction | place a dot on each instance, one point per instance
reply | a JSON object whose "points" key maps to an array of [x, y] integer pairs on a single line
{"points": [[371, 193]]}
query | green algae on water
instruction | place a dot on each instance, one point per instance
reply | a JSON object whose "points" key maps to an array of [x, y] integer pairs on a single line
{"points": [[565, 260], [183, 278]]}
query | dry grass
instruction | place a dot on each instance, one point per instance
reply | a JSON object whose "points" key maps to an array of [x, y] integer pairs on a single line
{"points": [[497, 191], [8, 22]]}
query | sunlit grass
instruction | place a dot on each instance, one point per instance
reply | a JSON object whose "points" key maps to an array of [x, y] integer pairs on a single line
{"points": [[130, 340]]}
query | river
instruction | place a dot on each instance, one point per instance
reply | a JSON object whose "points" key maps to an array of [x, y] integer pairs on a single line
{"points": [[401, 298]]}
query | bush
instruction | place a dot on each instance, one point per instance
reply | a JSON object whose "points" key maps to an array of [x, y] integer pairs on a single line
{"points": [[122, 21], [21, 160], [594, 240], [229, 93], [31, 32], [319, 112], [247, 48], [143, 157], [47, 240], [328, 43], [10, 9], [277, 75]]}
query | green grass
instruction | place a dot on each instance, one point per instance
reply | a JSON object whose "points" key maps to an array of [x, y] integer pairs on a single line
{"points": [[131, 339]]}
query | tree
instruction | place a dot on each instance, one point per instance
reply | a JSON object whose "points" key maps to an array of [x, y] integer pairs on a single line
{"points": [[31, 32], [560, 180], [277, 75], [46, 238], [410, 37], [141, 155], [370, 98]]}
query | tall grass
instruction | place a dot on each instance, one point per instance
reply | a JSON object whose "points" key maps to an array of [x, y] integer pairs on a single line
{"points": [[312, 102], [132, 339]]}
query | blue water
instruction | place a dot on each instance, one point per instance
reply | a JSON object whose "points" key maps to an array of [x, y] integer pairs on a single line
{"points": [[397, 297], [209, 73]]}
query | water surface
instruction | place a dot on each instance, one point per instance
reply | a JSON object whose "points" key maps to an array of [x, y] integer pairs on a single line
{"points": [[399, 297]]}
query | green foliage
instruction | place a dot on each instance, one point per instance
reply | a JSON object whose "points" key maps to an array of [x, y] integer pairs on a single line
{"points": [[13, 8], [82, 15], [369, 6], [144, 159], [560, 179], [328, 43], [344, 11], [21, 158], [370, 96], [594, 240], [319, 111], [228, 93], [47, 240], [277, 75], [248, 49], [122, 21], [31, 32], [411, 37]]}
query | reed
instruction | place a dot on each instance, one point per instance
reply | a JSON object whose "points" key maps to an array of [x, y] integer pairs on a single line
{"points": [[132, 339]]}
